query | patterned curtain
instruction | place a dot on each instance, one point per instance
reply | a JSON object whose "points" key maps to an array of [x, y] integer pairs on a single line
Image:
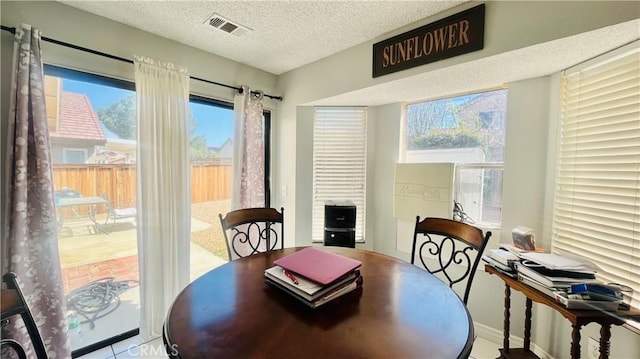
{"points": [[164, 188], [248, 151], [30, 243], [247, 189]]}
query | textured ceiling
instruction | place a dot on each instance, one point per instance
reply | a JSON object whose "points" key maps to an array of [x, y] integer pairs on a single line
{"points": [[290, 34], [286, 34], [490, 72]]}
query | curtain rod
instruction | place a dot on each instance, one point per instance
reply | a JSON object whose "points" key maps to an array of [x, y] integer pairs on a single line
{"points": [[100, 53]]}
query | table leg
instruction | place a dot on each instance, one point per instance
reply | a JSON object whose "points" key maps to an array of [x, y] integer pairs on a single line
{"points": [[575, 341], [527, 324], [605, 336], [507, 315]]}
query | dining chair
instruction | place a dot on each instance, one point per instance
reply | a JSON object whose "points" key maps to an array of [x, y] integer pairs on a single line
{"points": [[252, 230], [450, 249], [13, 304]]}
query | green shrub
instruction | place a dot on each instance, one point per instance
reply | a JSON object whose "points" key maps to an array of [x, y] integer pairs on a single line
{"points": [[446, 139]]}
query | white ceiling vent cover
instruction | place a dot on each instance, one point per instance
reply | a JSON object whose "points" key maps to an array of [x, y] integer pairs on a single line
{"points": [[226, 25]]}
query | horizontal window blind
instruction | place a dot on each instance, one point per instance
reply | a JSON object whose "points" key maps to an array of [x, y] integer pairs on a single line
{"points": [[597, 196], [339, 163]]}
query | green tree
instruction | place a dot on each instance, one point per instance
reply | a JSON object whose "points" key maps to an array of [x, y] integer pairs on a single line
{"points": [[456, 138], [198, 150], [120, 117], [439, 125], [425, 117]]}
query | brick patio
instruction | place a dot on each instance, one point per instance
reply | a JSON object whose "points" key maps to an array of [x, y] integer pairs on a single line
{"points": [[125, 268]]}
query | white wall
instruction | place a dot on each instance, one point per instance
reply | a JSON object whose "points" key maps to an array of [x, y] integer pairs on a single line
{"points": [[509, 26], [77, 27], [532, 112]]}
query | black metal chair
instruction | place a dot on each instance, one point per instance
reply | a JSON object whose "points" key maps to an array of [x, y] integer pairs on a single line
{"points": [[252, 230], [13, 303], [450, 249]]}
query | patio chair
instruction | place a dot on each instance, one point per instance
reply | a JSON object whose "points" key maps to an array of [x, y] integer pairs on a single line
{"points": [[116, 214]]}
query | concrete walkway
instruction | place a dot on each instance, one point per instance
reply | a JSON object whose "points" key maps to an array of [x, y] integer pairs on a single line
{"points": [[87, 257], [126, 308]]}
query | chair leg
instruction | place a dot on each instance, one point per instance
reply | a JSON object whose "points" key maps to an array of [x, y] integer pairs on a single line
{"points": [[15, 346]]}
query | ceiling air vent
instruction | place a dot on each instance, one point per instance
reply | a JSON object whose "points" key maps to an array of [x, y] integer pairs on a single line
{"points": [[226, 25]]}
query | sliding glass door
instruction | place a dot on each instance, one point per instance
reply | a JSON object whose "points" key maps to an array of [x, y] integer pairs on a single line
{"points": [[212, 125], [93, 139], [92, 125], [211, 153]]}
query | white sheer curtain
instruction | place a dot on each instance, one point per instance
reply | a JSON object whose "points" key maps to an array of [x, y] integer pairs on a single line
{"points": [[248, 151], [163, 186]]}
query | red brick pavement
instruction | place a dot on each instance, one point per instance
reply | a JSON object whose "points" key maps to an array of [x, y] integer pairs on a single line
{"points": [[125, 268]]}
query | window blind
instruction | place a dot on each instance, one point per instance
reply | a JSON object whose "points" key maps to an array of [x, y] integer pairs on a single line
{"points": [[339, 163], [597, 194]]}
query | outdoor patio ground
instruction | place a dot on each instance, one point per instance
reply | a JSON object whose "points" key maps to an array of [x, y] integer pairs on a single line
{"points": [[88, 257]]}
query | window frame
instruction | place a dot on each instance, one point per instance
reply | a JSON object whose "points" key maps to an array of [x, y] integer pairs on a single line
{"points": [[459, 166]]}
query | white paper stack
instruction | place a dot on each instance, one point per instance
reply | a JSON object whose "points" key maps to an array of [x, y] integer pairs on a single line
{"points": [[556, 262]]}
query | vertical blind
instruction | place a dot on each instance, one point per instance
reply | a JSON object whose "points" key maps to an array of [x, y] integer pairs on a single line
{"points": [[339, 163], [597, 194]]}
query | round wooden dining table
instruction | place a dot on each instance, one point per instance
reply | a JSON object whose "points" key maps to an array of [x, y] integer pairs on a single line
{"points": [[401, 311]]}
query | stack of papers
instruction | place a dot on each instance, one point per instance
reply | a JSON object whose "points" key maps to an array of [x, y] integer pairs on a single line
{"points": [[551, 278], [556, 262], [570, 280], [314, 276]]}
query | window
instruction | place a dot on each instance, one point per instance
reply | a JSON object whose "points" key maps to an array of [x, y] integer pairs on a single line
{"points": [[597, 190], [74, 155], [339, 163], [470, 132]]}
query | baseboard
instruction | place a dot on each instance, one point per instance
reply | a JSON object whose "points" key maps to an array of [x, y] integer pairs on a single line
{"points": [[495, 336]]}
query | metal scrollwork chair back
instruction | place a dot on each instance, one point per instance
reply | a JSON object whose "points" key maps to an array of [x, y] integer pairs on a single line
{"points": [[14, 304], [252, 230], [450, 249]]}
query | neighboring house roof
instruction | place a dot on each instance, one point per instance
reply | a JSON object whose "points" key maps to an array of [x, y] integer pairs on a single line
{"points": [[224, 146], [226, 150], [77, 119]]}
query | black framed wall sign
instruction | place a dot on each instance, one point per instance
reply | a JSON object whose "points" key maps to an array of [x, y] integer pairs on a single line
{"points": [[452, 36]]}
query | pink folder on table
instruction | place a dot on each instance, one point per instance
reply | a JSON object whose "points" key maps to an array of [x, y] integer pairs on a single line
{"points": [[318, 265]]}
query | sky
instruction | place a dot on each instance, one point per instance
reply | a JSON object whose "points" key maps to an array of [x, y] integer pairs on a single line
{"points": [[215, 123]]}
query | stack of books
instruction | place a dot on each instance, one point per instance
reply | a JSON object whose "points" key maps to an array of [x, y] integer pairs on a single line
{"points": [[569, 280], [314, 276]]}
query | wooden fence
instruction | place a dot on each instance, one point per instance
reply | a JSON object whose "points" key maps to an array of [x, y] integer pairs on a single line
{"points": [[117, 182]]}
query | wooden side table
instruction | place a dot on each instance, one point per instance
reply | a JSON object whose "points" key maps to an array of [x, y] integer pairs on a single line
{"points": [[578, 319]]}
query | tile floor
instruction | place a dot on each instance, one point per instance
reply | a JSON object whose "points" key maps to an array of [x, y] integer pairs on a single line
{"points": [[154, 349]]}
